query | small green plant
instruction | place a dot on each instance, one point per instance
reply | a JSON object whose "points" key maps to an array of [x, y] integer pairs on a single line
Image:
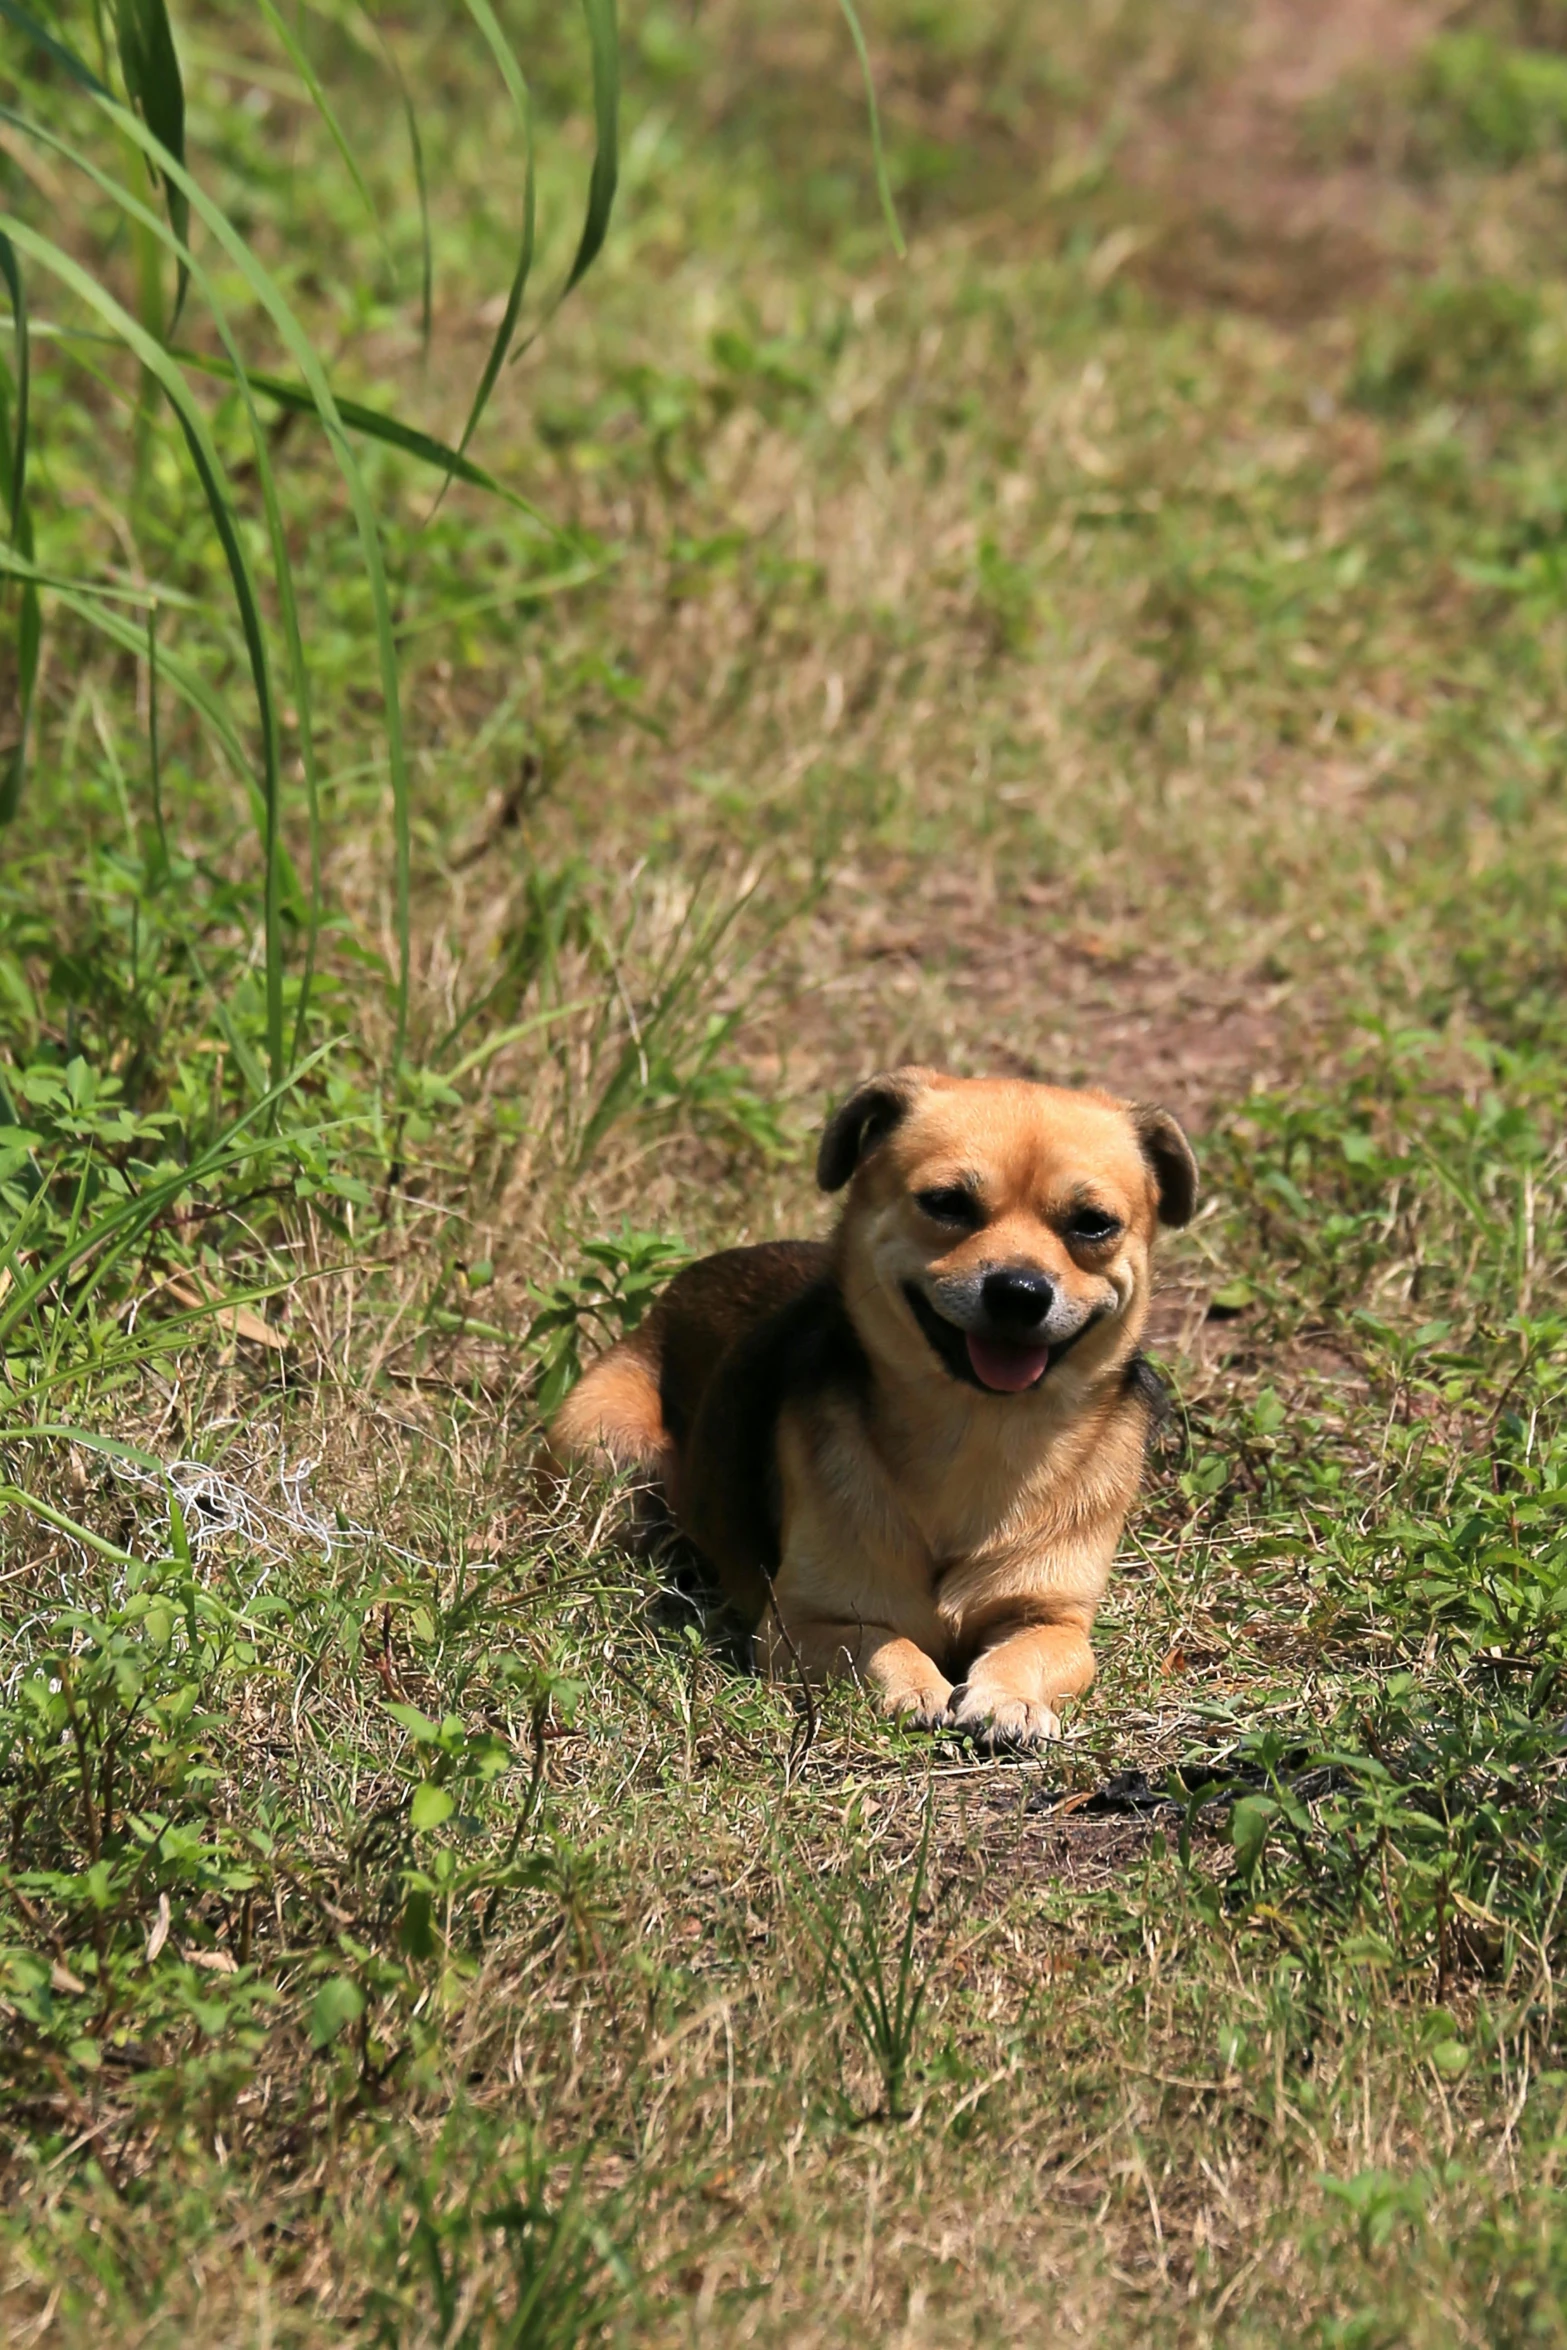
{"points": [[1425, 1832], [482, 2239], [109, 1220], [1493, 101], [869, 1957], [1477, 1557], [1469, 99], [606, 1298], [115, 1857], [1451, 340], [1379, 2201]]}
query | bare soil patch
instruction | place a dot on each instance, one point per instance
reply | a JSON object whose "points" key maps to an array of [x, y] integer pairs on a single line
{"points": [[1241, 214]]}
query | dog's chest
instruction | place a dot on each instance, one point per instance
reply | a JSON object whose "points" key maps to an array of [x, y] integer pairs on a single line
{"points": [[939, 1506]]}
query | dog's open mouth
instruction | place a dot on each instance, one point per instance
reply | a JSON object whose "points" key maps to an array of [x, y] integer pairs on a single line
{"points": [[998, 1365], [1004, 1368]]}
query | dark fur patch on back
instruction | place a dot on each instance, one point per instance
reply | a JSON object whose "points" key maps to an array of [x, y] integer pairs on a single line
{"points": [[713, 1306], [807, 1348]]}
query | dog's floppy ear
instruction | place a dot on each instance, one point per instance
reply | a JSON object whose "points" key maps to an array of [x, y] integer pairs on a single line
{"points": [[859, 1124], [1169, 1154]]}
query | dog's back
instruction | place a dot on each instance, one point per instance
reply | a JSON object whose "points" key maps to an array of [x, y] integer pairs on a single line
{"points": [[635, 1408]]}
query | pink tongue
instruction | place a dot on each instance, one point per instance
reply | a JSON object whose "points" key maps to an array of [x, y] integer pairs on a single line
{"points": [[1008, 1369]]}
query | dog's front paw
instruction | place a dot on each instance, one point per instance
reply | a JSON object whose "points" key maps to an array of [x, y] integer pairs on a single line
{"points": [[923, 1705], [1002, 1724]]}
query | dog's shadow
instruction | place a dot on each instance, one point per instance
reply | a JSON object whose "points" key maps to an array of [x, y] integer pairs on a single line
{"points": [[683, 1596]]}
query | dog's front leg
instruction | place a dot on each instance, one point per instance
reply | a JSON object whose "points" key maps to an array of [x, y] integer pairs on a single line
{"points": [[1017, 1681], [904, 1680]]}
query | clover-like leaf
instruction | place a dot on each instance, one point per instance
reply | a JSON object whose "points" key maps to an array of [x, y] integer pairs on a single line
{"points": [[431, 1805], [337, 2004]]}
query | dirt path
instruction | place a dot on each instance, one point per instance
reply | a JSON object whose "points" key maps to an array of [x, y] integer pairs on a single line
{"points": [[1246, 214]]}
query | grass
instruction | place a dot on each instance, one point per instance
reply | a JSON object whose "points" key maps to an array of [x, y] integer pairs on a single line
{"points": [[1124, 640]]}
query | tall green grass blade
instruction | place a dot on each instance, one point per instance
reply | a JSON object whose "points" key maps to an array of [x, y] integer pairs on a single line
{"points": [[13, 469], [299, 687], [522, 105], [12, 1497], [298, 343], [239, 1048], [523, 591], [604, 41], [14, 466], [113, 591], [421, 189], [376, 425], [64, 56], [214, 482], [113, 1448], [510, 1036], [280, 882], [29, 640], [373, 40], [302, 351], [188, 683], [883, 183], [279, 876], [155, 748], [299, 58], [151, 67]]}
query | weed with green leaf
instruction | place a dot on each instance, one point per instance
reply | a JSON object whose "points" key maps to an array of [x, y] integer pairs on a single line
{"points": [[871, 1963]]}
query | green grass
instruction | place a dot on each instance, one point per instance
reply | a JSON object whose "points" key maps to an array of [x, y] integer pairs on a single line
{"points": [[433, 908]]}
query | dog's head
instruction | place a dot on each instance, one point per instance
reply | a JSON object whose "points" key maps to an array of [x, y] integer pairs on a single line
{"points": [[999, 1226]]}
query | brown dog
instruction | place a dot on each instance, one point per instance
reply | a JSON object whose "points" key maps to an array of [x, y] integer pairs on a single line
{"points": [[921, 1438]]}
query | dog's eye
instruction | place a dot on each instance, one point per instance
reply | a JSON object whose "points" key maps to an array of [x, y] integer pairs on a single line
{"points": [[951, 1204], [1093, 1227]]}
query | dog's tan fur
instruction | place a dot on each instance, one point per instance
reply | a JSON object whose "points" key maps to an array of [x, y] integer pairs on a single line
{"points": [[946, 1544]]}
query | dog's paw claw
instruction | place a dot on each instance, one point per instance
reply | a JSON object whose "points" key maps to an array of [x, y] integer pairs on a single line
{"points": [[924, 1709], [1002, 1725]]}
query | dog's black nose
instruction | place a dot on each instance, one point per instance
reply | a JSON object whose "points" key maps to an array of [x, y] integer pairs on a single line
{"points": [[1016, 1297]]}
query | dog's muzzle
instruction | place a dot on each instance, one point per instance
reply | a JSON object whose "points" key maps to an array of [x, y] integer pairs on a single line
{"points": [[1007, 1347]]}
